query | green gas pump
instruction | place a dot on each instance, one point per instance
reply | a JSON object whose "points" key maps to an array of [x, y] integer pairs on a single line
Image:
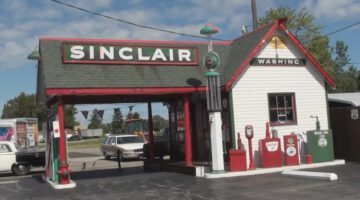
{"points": [[320, 143]]}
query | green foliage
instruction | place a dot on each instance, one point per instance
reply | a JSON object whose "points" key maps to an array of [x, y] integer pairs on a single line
{"points": [[107, 128], [346, 75], [117, 123], [159, 122], [136, 115], [302, 24], [70, 111], [24, 106], [95, 121]]}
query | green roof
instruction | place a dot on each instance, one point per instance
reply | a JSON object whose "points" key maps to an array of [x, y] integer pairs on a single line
{"points": [[60, 75], [53, 73]]}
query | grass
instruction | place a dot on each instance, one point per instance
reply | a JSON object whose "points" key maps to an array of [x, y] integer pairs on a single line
{"points": [[85, 143]]}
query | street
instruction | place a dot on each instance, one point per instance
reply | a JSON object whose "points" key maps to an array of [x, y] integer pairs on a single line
{"points": [[133, 183]]}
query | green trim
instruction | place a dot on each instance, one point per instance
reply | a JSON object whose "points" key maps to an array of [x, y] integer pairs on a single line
{"points": [[212, 73], [56, 159], [232, 120], [217, 172]]}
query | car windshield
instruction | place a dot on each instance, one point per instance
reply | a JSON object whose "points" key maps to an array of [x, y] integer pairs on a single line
{"points": [[130, 139]]}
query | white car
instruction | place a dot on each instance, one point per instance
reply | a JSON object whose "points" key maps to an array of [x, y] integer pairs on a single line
{"points": [[19, 161], [124, 146]]}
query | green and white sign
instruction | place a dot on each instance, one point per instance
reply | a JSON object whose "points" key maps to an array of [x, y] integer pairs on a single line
{"points": [[124, 54]]}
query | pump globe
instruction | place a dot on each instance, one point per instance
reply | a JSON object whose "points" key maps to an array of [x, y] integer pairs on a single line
{"points": [[211, 60]]}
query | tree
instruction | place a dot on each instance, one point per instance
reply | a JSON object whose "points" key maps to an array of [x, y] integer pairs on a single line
{"points": [[159, 122], [301, 23], [70, 111], [117, 122], [346, 75], [136, 115], [95, 121], [24, 106]]}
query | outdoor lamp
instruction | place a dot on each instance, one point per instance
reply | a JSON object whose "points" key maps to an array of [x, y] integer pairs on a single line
{"points": [[34, 55]]}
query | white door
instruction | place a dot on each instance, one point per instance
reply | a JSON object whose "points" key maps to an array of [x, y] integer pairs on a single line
{"points": [[7, 157]]}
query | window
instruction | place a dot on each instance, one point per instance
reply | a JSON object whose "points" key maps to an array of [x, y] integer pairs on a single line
{"points": [[4, 148], [282, 109]]}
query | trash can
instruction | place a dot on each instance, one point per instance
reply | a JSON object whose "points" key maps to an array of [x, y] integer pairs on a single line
{"points": [[237, 160], [320, 145]]}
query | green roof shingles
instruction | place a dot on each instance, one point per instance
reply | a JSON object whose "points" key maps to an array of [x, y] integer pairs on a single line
{"points": [[60, 75]]}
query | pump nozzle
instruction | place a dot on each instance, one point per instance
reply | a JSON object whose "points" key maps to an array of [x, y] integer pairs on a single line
{"points": [[317, 121], [267, 130]]}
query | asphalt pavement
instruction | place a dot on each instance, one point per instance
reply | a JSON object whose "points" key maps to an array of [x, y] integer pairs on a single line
{"points": [[134, 183]]}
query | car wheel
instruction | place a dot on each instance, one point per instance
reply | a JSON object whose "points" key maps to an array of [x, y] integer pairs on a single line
{"points": [[107, 157], [21, 169]]}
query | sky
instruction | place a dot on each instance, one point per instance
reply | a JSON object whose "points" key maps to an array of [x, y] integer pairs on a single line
{"points": [[22, 22]]}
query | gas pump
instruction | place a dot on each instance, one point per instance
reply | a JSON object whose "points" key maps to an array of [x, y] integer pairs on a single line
{"points": [[249, 133], [291, 149], [270, 150]]}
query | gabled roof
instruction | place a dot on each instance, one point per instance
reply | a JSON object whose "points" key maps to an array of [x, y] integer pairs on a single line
{"points": [[64, 79]]}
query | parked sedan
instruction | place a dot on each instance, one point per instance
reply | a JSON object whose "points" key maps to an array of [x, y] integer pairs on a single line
{"points": [[125, 146]]}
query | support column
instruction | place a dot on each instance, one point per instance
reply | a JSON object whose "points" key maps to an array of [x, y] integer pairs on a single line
{"points": [[216, 142], [151, 132], [188, 145], [63, 164]]}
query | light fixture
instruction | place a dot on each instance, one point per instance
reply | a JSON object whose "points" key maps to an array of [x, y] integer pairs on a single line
{"points": [[34, 55]]}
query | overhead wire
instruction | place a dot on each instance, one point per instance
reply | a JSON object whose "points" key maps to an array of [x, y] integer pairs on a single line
{"points": [[133, 23], [180, 33]]}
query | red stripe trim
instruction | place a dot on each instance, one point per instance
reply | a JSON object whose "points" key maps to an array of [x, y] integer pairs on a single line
{"points": [[279, 24], [98, 40], [252, 54], [327, 77], [120, 91]]}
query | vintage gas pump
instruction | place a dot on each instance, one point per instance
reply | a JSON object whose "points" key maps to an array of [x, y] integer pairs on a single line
{"points": [[291, 149], [270, 150], [249, 133]]}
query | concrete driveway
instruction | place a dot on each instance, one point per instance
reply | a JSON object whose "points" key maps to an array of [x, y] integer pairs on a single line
{"points": [[133, 183]]}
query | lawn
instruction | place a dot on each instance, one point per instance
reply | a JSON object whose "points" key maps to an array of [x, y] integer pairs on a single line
{"points": [[85, 143]]}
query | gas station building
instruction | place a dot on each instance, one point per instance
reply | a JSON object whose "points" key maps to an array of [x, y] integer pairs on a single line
{"points": [[265, 76]]}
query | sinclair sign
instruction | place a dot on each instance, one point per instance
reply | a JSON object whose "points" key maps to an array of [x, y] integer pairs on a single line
{"points": [[125, 54]]}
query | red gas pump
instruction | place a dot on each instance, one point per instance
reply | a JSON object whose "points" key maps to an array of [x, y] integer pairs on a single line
{"points": [[270, 150], [249, 133], [291, 149]]}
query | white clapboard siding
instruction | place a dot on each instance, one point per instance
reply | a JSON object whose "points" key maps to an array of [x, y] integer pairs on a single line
{"points": [[250, 97]]}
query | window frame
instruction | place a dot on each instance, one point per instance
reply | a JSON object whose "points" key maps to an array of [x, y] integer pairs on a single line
{"points": [[293, 108]]}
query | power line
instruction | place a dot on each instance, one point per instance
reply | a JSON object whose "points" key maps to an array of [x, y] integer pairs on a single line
{"points": [[133, 23], [333, 32], [180, 33]]}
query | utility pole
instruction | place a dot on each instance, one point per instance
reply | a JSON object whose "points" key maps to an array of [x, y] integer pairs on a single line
{"points": [[254, 15]]}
